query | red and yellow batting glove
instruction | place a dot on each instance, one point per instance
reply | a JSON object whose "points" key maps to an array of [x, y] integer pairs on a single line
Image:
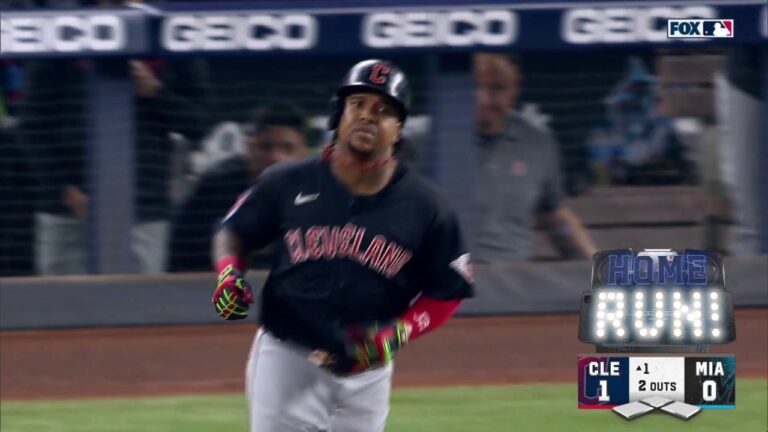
{"points": [[233, 296], [377, 344]]}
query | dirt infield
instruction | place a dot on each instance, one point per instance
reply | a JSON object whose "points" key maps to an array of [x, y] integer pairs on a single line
{"points": [[205, 359]]}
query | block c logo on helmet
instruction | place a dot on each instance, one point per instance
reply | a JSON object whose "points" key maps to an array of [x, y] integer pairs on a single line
{"points": [[379, 74]]}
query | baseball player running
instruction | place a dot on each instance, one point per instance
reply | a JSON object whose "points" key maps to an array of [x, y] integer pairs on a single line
{"points": [[368, 259]]}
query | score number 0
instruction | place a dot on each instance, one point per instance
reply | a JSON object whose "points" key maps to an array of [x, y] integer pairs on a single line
{"points": [[709, 390]]}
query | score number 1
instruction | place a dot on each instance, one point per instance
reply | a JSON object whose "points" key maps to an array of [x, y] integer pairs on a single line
{"points": [[603, 397]]}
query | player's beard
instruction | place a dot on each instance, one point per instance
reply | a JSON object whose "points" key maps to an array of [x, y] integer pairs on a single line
{"points": [[363, 143], [364, 159], [359, 153]]}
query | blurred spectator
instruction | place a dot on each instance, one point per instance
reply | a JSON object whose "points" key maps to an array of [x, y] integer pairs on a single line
{"points": [[518, 179], [16, 188], [637, 144], [16, 182], [274, 134], [741, 115], [168, 96]]}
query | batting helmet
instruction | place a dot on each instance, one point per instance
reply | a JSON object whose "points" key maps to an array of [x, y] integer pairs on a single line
{"points": [[379, 76]]}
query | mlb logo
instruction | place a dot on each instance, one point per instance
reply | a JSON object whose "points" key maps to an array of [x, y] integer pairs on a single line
{"points": [[707, 28]]}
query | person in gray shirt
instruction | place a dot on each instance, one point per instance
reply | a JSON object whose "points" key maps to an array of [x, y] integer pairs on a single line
{"points": [[518, 176]]}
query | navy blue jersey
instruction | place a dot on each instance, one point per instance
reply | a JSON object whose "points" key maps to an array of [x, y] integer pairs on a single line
{"points": [[344, 259]]}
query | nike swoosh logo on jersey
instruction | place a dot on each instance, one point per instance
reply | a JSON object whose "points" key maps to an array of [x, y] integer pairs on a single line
{"points": [[303, 199]]}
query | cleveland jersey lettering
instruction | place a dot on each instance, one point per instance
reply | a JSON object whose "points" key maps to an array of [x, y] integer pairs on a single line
{"points": [[383, 256]]}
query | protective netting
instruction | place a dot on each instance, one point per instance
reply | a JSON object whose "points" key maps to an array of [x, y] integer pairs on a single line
{"points": [[612, 114]]}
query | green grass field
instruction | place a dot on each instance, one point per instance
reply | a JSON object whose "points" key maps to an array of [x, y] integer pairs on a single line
{"points": [[518, 408]]}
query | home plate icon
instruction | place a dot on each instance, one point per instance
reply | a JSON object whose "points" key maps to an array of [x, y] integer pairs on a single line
{"points": [[648, 405]]}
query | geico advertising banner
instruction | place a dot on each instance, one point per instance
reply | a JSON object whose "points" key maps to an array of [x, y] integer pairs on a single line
{"points": [[434, 28], [73, 33], [543, 25]]}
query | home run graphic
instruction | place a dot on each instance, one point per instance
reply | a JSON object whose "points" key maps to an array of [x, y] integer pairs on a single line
{"points": [[655, 304]]}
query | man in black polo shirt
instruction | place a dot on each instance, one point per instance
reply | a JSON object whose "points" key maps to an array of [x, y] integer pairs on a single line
{"points": [[276, 133]]}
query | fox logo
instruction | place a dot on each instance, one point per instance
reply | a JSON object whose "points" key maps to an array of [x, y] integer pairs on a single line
{"points": [[700, 28]]}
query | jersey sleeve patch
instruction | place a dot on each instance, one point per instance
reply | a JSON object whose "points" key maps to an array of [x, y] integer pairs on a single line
{"points": [[463, 266], [236, 206]]}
